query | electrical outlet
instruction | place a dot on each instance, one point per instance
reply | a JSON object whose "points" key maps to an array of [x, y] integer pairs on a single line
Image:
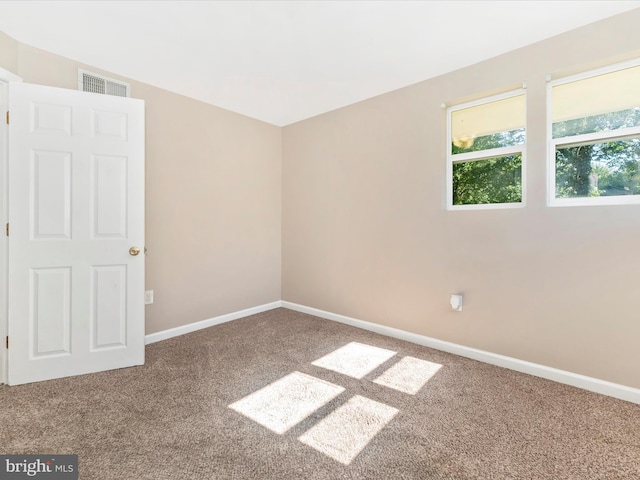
{"points": [[456, 303], [148, 297]]}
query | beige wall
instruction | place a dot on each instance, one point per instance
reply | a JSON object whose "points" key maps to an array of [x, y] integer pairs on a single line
{"points": [[366, 234], [8, 53], [213, 198]]}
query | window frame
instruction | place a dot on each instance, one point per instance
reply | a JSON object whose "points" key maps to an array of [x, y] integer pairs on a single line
{"points": [[486, 154], [584, 139]]}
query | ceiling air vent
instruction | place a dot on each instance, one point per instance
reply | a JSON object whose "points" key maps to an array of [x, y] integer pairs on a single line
{"points": [[96, 83]]}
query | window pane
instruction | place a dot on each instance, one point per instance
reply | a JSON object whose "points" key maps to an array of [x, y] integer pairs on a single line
{"points": [[492, 180], [598, 123], [601, 169], [498, 124], [600, 103], [496, 140]]}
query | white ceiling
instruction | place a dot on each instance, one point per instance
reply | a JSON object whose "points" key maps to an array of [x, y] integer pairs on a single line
{"points": [[284, 61]]}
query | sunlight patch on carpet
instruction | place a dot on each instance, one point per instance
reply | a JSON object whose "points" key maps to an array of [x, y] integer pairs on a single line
{"points": [[409, 375], [286, 402], [354, 359], [347, 430]]}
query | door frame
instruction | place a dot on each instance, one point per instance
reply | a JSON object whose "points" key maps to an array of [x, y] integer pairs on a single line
{"points": [[5, 77]]}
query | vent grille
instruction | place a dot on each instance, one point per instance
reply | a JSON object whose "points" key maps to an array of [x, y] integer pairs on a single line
{"points": [[96, 83]]}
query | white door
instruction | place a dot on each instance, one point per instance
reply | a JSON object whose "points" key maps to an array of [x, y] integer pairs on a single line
{"points": [[76, 233]]}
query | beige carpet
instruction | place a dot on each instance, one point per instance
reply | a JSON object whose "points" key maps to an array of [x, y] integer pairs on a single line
{"points": [[283, 395]]}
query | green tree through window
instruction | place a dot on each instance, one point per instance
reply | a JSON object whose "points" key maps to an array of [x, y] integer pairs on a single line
{"points": [[595, 137], [486, 151], [489, 180], [604, 168]]}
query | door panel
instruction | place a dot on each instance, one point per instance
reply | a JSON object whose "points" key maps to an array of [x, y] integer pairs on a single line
{"points": [[109, 196], [51, 311], [50, 119], [51, 187], [76, 206], [109, 301]]}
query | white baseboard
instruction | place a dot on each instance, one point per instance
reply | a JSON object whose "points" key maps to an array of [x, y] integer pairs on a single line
{"points": [[192, 327], [615, 390], [561, 376]]}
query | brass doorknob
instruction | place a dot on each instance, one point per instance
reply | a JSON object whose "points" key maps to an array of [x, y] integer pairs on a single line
{"points": [[133, 251]]}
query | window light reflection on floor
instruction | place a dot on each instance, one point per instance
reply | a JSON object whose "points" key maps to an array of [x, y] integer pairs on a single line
{"points": [[286, 402], [347, 430], [354, 359], [408, 375]]}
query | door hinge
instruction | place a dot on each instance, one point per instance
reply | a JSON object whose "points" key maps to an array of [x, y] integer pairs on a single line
{"points": [[7, 229], [7, 342], [7, 117]]}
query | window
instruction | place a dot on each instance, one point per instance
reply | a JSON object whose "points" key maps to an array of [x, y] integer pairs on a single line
{"points": [[594, 137], [485, 152]]}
